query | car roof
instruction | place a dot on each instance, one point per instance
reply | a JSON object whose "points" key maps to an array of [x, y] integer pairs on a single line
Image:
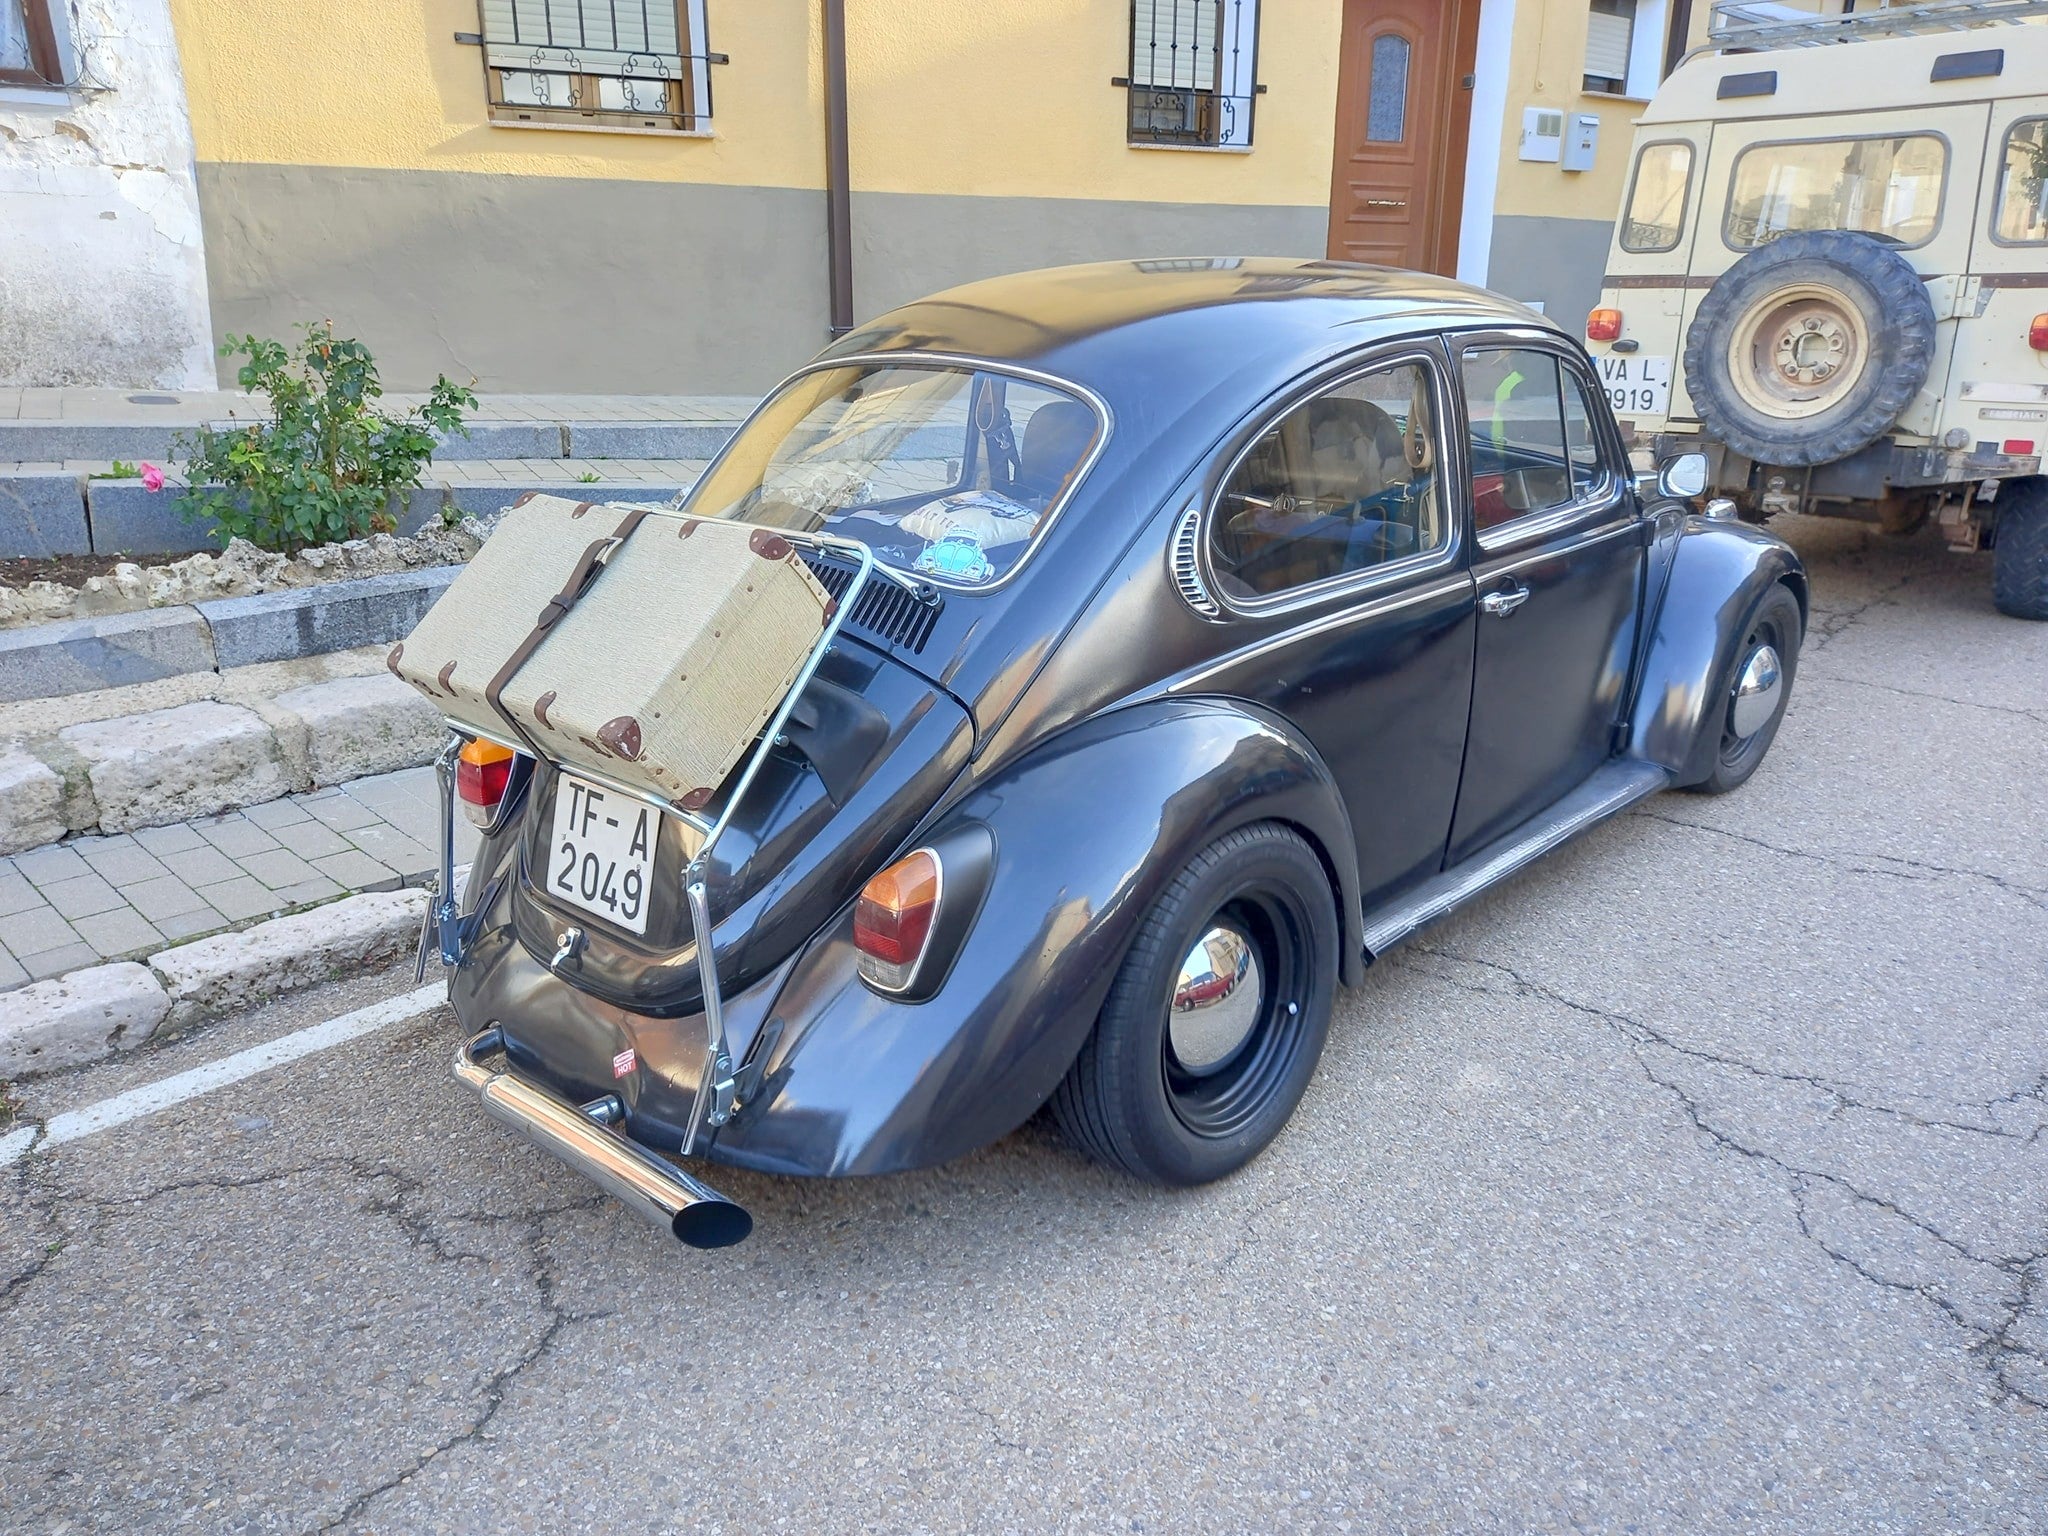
{"points": [[1172, 328], [1862, 74]]}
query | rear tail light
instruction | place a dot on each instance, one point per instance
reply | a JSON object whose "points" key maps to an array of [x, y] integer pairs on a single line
{"points": [[892, 921], [2018, 447], [1603, 325], [481, 773], [2037, 333]]}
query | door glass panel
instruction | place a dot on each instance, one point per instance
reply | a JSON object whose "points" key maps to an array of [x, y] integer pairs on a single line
{"points": [[1340, 484], [1386, 109], [1655, 216], [1581, 448], [1520, 463], [1888, 187], [2023, 185]]}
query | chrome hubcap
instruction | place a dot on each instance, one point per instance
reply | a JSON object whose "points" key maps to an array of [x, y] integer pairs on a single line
{"points": [[1756, 692], [1216, 1001]]}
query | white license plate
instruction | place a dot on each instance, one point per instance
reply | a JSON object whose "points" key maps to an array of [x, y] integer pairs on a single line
{"points": [[601, 856], [1636, 385]]}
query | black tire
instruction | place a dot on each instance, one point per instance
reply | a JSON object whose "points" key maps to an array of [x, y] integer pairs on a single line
{"points": [[1875, 295], [2019, 552], [1127, 1101], [1776, 623]]}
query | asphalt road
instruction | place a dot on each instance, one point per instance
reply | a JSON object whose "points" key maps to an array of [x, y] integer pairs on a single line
{"points": [[1697, 1181]]}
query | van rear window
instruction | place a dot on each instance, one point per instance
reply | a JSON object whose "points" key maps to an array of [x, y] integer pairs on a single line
{"points": [[1655, 216], [2023, 186], [1887, 187]]}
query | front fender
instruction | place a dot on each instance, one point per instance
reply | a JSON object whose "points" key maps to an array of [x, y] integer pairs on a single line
{"points": [[1087, 829], [1716, 575]]}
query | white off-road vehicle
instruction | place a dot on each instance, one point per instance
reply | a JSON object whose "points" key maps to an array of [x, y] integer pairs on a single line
{"points": [[1830, 273]]}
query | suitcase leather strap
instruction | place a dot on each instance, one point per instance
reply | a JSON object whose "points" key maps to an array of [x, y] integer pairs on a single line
{"points": [[584, 572]]}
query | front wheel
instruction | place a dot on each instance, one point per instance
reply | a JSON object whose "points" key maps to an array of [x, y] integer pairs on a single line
{"points": [[1216, 1019], [2019, 557], [1755, 691]]}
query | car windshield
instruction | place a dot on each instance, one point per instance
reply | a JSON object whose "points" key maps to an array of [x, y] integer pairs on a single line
{"points": [[947, 471]]}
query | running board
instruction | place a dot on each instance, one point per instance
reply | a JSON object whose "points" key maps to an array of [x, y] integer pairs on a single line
{"points": [[1615, 786]]}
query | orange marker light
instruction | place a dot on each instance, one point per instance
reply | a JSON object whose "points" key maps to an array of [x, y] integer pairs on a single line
{"points": [[482, 771], [1603, 325], [892, 921]]}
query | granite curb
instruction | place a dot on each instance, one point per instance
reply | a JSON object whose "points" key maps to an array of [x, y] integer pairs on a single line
{"points": [[99, 1011], [45, 661]]}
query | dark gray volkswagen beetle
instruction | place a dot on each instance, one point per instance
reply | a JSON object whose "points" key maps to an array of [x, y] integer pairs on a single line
{"points": [[1246, 616]]}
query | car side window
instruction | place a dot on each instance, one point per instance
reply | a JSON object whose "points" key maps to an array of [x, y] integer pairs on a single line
{"points": [[1341, 484], [1534, 448]]}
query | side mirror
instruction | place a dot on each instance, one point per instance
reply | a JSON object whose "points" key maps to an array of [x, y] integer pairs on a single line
{"points": [[1684, 477]]}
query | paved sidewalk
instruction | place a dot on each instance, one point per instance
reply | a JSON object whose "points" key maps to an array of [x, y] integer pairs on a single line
{"points": [[92, 899]]}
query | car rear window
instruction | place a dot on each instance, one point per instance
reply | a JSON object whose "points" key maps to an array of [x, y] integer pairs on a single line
{"points": [[1655, 216], [2023, 185], [1887, 187], [947, 471]]}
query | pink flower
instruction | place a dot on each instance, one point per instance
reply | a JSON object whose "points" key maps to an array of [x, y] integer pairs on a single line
{"points": [[152, 478]]}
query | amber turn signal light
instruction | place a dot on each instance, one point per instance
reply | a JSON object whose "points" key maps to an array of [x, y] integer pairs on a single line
{"points": [[1603, 325], [892, 921], [481, 773], [2037, 333]]}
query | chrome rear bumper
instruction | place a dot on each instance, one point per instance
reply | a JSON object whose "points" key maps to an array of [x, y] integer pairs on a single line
{"points": [[656, 1189]]}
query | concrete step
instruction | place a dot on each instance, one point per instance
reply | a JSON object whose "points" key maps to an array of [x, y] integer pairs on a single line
{"points": [[67, 507]]}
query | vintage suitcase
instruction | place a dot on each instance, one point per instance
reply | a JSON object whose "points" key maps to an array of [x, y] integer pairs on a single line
{"points": [[644, 646]]}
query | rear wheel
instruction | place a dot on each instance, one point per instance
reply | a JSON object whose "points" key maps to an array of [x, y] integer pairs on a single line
{"points": [[1216, 1019], [2019, 557], [1755, 691]]}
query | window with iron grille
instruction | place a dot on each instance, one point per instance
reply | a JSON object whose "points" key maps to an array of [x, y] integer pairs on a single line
{"points": [[30, 51], [635, 64], [1193, 68]]}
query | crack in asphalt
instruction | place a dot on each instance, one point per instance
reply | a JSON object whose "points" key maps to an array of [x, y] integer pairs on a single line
{"points": [[1913, 869], [1246, 1235], [994, 1424], [419, 1231], [1997, 1347], [2038, 716], [1825, 627]]}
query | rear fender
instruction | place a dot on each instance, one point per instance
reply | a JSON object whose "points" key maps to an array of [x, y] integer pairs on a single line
{"points": [[1087, 829], [1715, 575]]}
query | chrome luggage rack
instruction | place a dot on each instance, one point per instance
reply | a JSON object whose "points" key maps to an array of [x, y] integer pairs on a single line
{"points": [[453, 933]]}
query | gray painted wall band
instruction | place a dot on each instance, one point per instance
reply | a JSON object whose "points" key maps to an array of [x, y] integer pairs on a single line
{"points": [[567, 285], [554, 284], [909, 244], [1556, 260]]}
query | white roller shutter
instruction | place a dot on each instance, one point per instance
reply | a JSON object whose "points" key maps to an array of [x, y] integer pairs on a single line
{"points": [[1607, 44], [1173, 43], [599, 37]]}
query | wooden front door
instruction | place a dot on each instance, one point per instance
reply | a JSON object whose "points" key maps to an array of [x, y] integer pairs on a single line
{"points": [[1397, 189]]}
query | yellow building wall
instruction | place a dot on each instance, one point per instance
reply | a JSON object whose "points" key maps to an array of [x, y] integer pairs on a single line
{"points": [[1005, 98], [1547, 65], [1012, 98], [382, 84]]}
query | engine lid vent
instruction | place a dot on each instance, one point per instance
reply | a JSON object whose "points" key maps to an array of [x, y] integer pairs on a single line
{"points": [[884, 610]]}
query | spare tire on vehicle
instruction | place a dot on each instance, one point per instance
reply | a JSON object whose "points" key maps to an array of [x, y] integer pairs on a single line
{"points": [[1808, 348]]}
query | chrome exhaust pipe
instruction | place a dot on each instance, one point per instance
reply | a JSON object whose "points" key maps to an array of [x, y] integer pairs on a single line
{"points": [[696, 1214]]}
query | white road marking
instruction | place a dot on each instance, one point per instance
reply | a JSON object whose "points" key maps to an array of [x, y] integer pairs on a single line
{"points": [[154, 1098]]}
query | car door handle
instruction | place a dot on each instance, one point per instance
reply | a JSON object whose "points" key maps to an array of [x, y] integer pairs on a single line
{"points": [[1504, 602]]}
